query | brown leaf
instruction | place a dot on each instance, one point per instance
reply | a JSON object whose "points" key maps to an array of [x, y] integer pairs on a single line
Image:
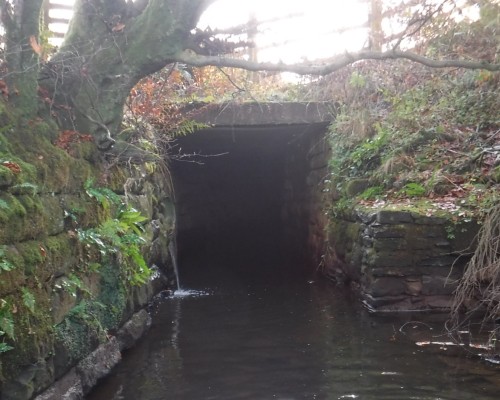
{"points": [[118, 27], [35, 46]]}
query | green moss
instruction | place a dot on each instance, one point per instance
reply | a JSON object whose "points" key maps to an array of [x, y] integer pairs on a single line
{"points": [[13, 208], [25, 188], [33, 332], [61, 254], [113, 295], [78, 334], [58, 245], [32, 254], [31, 203], [74, 339], [21, 217], [11, 280], [356, 186], [82, 212], [45, 128], [117, 180], [7, 177]]}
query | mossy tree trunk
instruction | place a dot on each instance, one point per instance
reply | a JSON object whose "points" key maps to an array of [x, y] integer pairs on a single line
{"points": [[110, 46], [21, 20]]}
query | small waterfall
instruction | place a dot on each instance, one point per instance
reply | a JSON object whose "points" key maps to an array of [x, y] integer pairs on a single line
{"points": [[173, 254]]}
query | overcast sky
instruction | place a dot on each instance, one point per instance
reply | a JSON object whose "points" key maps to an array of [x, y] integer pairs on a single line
{"points": [[310, 34]]}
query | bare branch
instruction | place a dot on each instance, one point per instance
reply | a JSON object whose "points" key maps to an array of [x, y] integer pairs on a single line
{"points": [[191, 58], [244, 28]]}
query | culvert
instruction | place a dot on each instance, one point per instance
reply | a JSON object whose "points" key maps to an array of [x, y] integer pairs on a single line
{"points": [[254, 182]]}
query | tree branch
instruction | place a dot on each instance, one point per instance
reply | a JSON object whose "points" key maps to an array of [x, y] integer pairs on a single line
{"points": [[191, 58]]}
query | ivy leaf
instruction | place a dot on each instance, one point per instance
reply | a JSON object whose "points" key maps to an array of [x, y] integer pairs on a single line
{"points": [[7, 324], [4, 346], [28, 300]]}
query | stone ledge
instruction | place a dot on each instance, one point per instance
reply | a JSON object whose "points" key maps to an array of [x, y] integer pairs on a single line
{"points": [[85, 375], [251, 114]]}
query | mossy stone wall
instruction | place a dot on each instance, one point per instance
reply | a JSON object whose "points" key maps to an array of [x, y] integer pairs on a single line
{"points": [[400, 260], [59, 301]]}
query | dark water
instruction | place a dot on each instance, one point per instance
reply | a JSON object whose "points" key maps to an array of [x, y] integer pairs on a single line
{"points": [[269, 330]]}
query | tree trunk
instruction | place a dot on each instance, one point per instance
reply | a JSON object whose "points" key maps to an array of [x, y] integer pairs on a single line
{"points": [[109, 47], [21, 20], [376, 32]]}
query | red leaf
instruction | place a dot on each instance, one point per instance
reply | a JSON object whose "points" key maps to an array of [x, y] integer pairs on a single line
{"points": [[14, 167]]}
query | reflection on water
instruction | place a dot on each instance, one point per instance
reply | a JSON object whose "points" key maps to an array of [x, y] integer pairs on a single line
{"points": [[263, 330]]}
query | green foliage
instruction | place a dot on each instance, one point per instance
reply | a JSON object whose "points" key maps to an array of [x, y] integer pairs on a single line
{"points": [[372, 193], [476, 100], [4, 347], [5, 265], [6, 320], [113, 293], [413, 189], [450, 231], [367, 155], [88, 312], [4, 205], [341, 207], [106, 197], [120, 235], [189, 126], [357, 80], [28, 299], [81, 330], [72, 284], [414, 132]]}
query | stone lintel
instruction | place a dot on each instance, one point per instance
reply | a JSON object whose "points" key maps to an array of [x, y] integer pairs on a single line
{"points": [[259, 114]]}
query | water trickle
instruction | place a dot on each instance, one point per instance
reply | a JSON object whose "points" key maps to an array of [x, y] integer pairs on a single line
{"points": [[173, 254], [189, 292]]}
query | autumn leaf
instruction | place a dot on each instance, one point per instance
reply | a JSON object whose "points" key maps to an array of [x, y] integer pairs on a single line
{"points": [[35, 46], [14, 167], [68, 137], [118, 27]]}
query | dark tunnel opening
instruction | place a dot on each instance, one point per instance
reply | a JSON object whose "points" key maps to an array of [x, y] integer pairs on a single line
{"points": [[244, 188]]}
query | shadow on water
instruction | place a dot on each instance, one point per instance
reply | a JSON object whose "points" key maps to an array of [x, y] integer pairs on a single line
{"points": [[260, 326]]}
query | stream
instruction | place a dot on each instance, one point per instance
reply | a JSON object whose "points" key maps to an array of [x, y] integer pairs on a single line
{"points": [[255, 325]]}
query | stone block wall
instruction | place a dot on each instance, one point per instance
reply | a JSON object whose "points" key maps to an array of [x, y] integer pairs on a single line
{"points": [[401, 260], [303, 204], [56, 304]]}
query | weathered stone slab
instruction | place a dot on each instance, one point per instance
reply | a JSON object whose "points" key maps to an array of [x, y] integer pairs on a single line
{"points": [[381, 287], [248, 114], [394, 217], [133, 329], [438, 285], [98, 364]]}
